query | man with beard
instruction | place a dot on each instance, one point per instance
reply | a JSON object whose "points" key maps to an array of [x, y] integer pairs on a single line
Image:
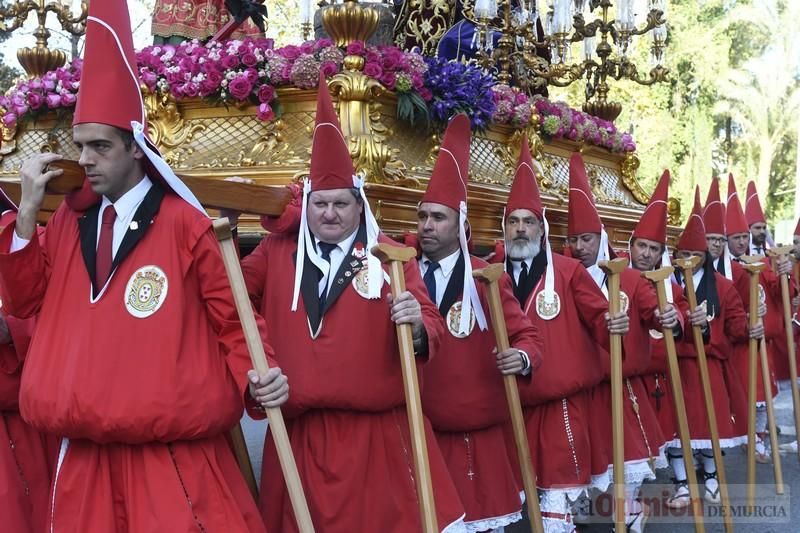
{"points": [[723, 321], [754, 214], [464, 394], [560, 297], [643, 438], [738, 233]]}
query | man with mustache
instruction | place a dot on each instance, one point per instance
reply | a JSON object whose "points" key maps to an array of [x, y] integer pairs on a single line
{"points": [[643, 437], [562, 300], [463, 395]]}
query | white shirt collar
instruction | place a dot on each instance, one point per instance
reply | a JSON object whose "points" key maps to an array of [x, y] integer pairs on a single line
{"points": [[446, 265], [128, 202]]}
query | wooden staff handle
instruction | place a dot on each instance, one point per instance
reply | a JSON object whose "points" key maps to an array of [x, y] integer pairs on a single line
{"points": [[752, 366], [771, 426], [613, 269], [243, 459], [787, 322], [490, 275], [396, 256], [687, 267], [277, 427], [657, 278]]}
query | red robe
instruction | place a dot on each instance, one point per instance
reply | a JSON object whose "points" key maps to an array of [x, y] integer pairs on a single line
{"points": [[346, 412], [27, 457], [556, 402], [464, 398], [144, 401], [741, 280], [643, 437]]}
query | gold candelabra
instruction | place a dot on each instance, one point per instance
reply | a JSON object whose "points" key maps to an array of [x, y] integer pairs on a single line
{"points": [[519, 54], [40, 59]]}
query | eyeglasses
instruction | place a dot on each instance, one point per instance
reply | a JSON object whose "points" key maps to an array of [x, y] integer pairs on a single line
{"points": [[716, 240]]}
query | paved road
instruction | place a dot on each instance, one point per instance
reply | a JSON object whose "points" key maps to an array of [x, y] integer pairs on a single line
{"points": [[776, 512]]}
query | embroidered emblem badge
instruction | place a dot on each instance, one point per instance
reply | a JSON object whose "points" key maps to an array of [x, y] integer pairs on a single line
{"points": [[146, 291], [547, 311], [454, 319], [656, 334], [624, 302], [361, 283]]}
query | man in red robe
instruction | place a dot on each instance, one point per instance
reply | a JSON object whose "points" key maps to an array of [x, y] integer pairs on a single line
{"points": [[321, 287], [28, 456], [139, 360], [562, 300], [723, 322], [463, 395], [644, 441], [738, 233]]}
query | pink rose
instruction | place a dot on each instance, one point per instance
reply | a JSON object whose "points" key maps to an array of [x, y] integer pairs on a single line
{"points": [[329, 68], [229, 62], [190, 90], [149, 78], [266, 93], [290, 52], [265, 113], [249, 60], [9, 119], [53, 100], [389, 80], [67, 99], [356, 48], [240, 88], [373, 70], [35, 100], [251, 74]]}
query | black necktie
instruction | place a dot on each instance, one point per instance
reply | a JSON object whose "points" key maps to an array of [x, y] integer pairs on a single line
{"points": [[523, 274], [430, 280], [326, 248]]}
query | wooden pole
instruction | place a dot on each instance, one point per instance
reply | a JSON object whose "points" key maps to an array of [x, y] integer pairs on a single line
{"points": [[787, 322], [657, 278], [396, 256], [277, 427], [490, 275], [767, 384], [243, 458], [752, 365], [613, 269], [687, 266]]}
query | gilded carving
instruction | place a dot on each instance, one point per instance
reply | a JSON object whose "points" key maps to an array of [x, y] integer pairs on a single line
{"points": [[166, 127], [628, 169], [8, 140], [359, 114]]}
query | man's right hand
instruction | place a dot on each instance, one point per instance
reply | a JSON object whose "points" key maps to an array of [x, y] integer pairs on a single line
{"points": [[230, 214], [34, 177]]}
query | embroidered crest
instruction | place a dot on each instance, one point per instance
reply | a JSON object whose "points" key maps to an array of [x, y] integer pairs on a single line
{"points": [[762, 295], [361, 283], [624, 302], [656, 334], [146, 291], [547, 311], [454, 320]]}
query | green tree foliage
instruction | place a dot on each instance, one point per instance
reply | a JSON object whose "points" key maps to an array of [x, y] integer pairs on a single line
{"points": [[7, 73]]}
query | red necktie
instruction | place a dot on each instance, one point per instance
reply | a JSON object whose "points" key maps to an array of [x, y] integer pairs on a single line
{"points": [[104, 245]]}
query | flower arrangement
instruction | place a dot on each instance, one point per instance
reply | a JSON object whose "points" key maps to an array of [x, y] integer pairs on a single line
{"points": [[249, 71]]}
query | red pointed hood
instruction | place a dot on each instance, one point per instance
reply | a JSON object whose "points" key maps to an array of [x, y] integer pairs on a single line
{"points": [[582, 216], [752, 206], [735, 221], [109, 91], [448, 183], [714, 210], [524, 192], [331, 164], [693, 237], [653, 223]]}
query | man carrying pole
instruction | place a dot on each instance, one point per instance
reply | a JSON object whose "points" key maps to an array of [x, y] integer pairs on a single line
{"points": [[323, 289], [463, 394], [644, 441], [562, 300], [139, 359]]}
